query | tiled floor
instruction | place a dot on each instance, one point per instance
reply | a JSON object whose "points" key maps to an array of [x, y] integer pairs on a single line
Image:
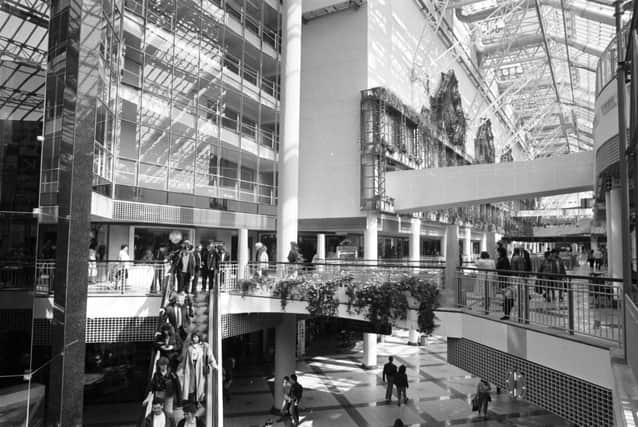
{"points": [[337, 392]]}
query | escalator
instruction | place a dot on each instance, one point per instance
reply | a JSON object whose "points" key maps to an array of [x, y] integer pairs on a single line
{"points": [[201, 323]]}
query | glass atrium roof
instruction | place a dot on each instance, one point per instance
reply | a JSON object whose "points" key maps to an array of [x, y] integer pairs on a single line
{"points": [[540, 57], [23, 44]]}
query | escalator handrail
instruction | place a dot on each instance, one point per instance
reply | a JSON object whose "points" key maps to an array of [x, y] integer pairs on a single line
{"points": [[155, 354]]}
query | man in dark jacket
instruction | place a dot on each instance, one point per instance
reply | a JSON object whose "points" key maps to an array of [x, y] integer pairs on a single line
{"points": [[158, 417], [203, 253], [185, 267], [179, 312], [296, 393], [389, 374]]}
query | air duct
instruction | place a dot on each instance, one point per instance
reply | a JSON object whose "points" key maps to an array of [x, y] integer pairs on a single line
{"points": [[530, 40]]}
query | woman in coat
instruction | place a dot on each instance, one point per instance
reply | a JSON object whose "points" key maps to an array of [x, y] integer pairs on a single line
{"points": [[198, 360]]}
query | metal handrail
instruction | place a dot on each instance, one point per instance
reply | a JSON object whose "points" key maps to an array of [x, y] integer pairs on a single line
{"points": [[155, 352], [517, 273], [591, 306]]}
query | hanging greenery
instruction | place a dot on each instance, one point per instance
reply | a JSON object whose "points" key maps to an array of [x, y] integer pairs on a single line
{"points": [[379, 300], [321, 298], [283, 290]]}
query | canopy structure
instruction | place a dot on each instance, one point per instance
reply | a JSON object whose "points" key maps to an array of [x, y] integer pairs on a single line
{"points": [[23, 44], [540, 56]]}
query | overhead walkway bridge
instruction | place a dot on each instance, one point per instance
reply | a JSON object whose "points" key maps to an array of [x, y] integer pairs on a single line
{"points": [[456, 186]]}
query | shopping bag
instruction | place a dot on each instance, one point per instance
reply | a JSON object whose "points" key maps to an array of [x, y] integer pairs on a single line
{"points": [[475, 403]]}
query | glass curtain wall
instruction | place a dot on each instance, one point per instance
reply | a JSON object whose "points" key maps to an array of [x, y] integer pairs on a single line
{"points": [[199, 103]]}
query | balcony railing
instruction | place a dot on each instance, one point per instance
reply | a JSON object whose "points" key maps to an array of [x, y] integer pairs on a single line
{"points": [[576, 305], [360, 271], [109, 277]]}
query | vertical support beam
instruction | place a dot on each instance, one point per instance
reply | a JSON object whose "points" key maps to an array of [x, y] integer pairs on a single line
{"points": [[370, 250], [625, 245], [415, 256], [448, 295], [610, 247], [615, 240], [285, 361], [444, 245], [370, 253], [490, 244], [70, 138], [369, 351], [242, 252], [415, 241], [288, 202], [484, 242], [301, 337], [321, 247], [467, 244]]}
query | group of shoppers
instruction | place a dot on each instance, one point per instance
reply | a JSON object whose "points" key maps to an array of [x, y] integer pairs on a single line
{"points": [[183, 367], [293, 393], [192, 264], [513, 274], [393, 376]]}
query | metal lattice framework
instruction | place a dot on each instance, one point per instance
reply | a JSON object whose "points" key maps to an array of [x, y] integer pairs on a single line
{"points": [[23, 44], [540, 56]]}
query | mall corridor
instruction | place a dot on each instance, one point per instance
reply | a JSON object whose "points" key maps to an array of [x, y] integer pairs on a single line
{"points": [[338, 392]]}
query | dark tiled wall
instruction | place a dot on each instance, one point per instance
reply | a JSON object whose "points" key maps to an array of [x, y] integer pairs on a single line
{"points": [[576, 400]]}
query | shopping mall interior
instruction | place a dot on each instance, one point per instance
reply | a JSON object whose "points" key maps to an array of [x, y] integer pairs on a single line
{"points": [[234, 212]]}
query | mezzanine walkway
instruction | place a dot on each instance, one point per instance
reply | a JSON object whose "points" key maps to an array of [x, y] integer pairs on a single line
{"points": [[457, 186]]}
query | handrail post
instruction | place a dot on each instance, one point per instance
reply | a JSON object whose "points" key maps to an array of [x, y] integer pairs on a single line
{"points": [[570, 307], [486, 290]]}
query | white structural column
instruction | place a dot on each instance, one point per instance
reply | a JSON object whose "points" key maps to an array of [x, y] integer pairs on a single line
{"points": [[610, 247], [415, 240], [467, 244], [370, 253], [321, 247], [369, 351], [614, 241], [490, 243], [415, 256], [370, 249], [242, 252], [444, 245], [448, 295], [484, 242], [288, 201], [285, 348]]}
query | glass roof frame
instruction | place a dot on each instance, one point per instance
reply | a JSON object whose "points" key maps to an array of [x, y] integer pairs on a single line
{"points": [[539, 53]]}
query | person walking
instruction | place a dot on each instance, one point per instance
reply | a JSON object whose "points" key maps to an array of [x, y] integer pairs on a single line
{"points": [[185, 267], [198, 361], [203, 265], [388, 376], [401, 381], [483, 395], [157, 417], [296, 393], [503, 268], [485, 279], [190, 419], [164, 385], [285, 405], [261, 257]]}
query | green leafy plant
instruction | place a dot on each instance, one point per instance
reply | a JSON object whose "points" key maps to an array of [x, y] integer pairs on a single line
{"points": [[283, 290], [382, 304], [426, 295], [321, 298]]}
